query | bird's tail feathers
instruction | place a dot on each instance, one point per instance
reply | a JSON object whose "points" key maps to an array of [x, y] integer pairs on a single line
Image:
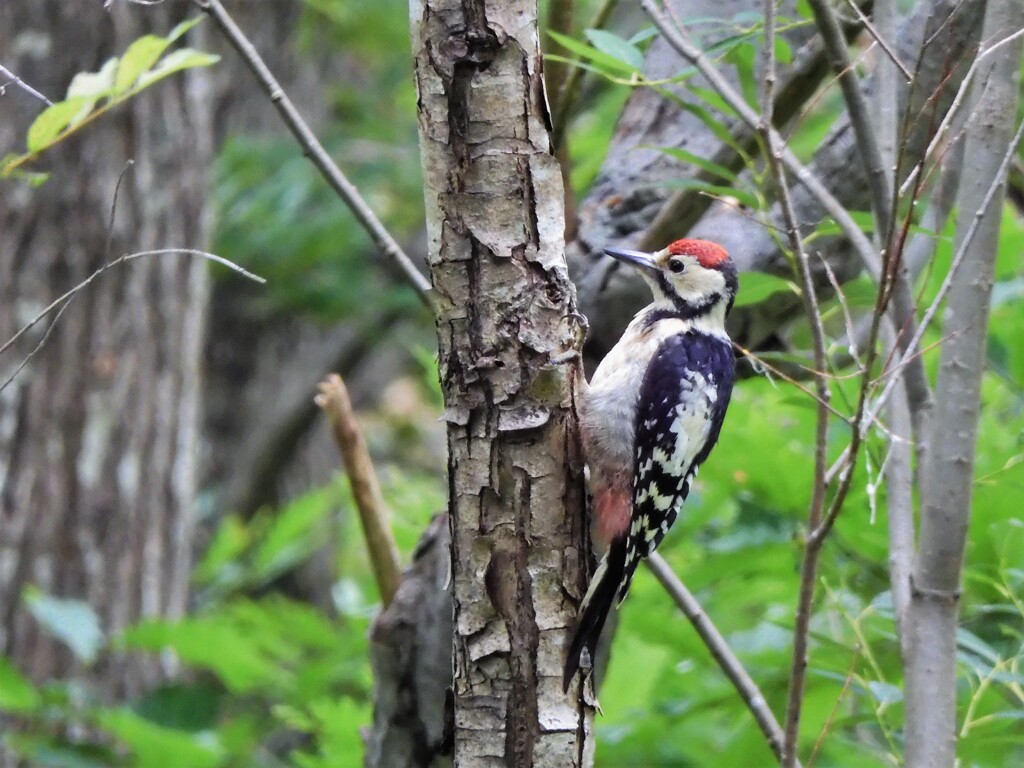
{"points": [[600, 597]]}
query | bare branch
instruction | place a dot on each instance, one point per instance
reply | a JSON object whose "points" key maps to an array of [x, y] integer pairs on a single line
{"points": [[857, 108], [879, 36], [900, 288], [720, 651], [13, 78], [898, 467], [682, 44], [961, 253], [940, 134], [947, 479], [899, 497], [314, 150], [684, 208], [380, 542], [67, 296], [808, 571]]}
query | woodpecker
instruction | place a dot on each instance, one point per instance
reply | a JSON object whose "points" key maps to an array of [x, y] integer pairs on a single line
{"points": [[651, 415]]}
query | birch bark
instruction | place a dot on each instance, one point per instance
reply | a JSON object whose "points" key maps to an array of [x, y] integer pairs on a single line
{"points": [[504, 306], [948, 474]]}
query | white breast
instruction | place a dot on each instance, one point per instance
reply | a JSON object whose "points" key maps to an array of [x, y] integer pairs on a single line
{"points": [[608, 412]]}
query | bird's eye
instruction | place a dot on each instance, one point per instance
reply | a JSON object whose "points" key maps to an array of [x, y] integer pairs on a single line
{"points": [[676, 266]]}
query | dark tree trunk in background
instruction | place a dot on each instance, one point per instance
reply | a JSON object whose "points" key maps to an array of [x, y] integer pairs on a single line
{"points": [[98, 434], [411, 656]]}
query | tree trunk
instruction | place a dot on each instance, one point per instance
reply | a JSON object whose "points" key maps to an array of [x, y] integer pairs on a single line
{"points": [[948, 474], [98, 433], [504, 306], [411, 654]]}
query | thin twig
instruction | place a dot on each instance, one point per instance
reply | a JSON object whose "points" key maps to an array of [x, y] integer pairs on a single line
{"points": [[115, 263], [857, 109], [808, 571], [760, 361], [882, 202], [851, 330], [940, 134], [380, 542], [13, 78], [835, 708], [720, 651], [681, 43], [879, 271], [35, 350], [314, 150], [947, 281], [683, 208], [880, 39]]}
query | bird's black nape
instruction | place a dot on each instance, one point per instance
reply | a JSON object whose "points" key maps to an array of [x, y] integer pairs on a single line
{"points": [[596, 605]]}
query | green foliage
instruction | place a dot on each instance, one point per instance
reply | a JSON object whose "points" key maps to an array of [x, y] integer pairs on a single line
{"points": [[270, 680], [325, 267], [666, 703], [756, 287], [92, 94], [265, 672], [72, 622]]}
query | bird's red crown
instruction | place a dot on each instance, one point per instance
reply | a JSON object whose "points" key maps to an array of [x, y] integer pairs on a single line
{"points": [[709, 255]]}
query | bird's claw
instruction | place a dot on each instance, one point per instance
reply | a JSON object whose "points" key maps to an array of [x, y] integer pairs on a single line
{"points": [[575, 352]]}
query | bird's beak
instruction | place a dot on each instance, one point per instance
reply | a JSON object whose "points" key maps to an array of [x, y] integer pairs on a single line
{"points": [[638, 259]]}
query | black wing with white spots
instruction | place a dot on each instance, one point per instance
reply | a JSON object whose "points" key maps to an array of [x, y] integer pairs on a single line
{"points": [[683, 399]]}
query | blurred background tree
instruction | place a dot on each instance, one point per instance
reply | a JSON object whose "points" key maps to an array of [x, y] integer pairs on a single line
{"points": [[186, 585]]}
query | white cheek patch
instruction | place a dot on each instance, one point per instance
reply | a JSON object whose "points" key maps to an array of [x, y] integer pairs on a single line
{"points": [[701, 282]]}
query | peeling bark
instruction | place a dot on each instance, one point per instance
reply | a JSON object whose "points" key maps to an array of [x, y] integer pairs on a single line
{"points": [[504, 307]]}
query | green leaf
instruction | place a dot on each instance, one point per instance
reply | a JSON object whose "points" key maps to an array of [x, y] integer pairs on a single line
{"points": [[706, 165], [713, 100], [613, 45], [182, 28], [294, 533], [783, 51], [94, 85], [828, 226], [339, 742], [53, 120], [717, 190], [755, 287], [201, 642], [157, 747], [72, 622], [45, 752], [603, 60], [176, 61], [17, 694], [192, 708], [885, 693], [140, 56], [228, 544], [712, 123]]}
